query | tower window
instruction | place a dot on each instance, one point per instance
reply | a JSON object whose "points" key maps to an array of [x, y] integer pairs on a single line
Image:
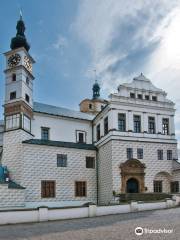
{"points": [[27, 98], [26, 123], [165, 126], [13, 121], [106, 126], [137, 124], [90, 106], [27, 80], [12, 95], [151, 123], [14, 77]]}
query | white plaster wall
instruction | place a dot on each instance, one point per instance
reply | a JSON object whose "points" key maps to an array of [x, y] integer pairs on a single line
{"points": [[61, 129], [40, 163]]}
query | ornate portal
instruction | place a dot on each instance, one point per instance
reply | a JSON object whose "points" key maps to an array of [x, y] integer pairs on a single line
{"points": [[132, 176]]}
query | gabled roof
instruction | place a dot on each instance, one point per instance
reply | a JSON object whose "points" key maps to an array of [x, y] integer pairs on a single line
{"points": [[142, 83], [60, 111]]}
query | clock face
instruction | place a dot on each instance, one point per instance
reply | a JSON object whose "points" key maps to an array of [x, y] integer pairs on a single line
{"points": [[14, 60], [28, 64]]}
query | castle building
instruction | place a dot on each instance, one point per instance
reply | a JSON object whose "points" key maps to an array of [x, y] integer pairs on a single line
{"points": [[60, 157]]}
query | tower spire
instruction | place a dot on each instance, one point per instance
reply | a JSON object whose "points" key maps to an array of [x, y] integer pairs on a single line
{"points": [[20, 39], [96, 88]]}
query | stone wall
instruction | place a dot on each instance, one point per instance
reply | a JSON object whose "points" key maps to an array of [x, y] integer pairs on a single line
{"points": [[105, 186], [13, 153], [153, 165], [11, 197], [40, 163], [113, 153]]}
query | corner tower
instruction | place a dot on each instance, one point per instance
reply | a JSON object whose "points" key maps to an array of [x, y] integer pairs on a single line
{"points": [[18, 105]]}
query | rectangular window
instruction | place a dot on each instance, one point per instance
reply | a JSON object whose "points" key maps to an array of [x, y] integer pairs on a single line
{"points": [[154, 98], [122, 122], [129, 153], [175, 187], [13, 122], [45, 133], [12, 95], [140, 153], [81, 136], [26, 123], [61, 160], [165, 126], [48, 189], [90, 162], [147, 97], [137, 124], [158, 186], [80, 189], [106, 126], [139, 96], [151, 125], [160, 154], [169, 155], [98, 132], [27, 98], [132, 95]]}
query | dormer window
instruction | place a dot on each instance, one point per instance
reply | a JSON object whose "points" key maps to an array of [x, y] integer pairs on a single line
{"points": [[139, 96], [14, 77], [147, 97], [132, 95], [154, 98], [27, 98]]}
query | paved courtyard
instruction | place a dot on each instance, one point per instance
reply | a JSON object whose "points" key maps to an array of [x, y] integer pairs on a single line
{"points": [[114, 227]]}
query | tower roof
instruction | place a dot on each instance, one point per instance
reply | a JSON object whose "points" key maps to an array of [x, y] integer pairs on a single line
{"points": [[20, 39], [96, 90]]}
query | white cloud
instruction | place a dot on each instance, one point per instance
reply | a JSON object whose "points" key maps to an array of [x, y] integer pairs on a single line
{"points": [[61, 43], [115, 30]]}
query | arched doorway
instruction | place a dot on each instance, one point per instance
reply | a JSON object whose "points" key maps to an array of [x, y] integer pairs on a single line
{"points": [[132, 186], [132, 169]]}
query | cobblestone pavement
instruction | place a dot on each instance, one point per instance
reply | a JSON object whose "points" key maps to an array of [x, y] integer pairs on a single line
{"points": [[113, 227]]}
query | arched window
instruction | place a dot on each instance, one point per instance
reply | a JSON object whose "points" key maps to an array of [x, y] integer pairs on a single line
{"points": [[14, 77]]}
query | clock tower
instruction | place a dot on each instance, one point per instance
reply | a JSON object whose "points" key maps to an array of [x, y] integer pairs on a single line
{"points": [[18, 106]]}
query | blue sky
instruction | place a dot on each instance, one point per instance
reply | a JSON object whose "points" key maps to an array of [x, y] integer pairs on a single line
{"points": [[120, 39]]}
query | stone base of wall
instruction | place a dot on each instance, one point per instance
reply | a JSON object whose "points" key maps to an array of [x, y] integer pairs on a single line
{"points": [[11, 197]]}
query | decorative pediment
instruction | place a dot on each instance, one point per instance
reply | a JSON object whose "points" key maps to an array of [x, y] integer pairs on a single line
{"points": [[132, 163]]}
